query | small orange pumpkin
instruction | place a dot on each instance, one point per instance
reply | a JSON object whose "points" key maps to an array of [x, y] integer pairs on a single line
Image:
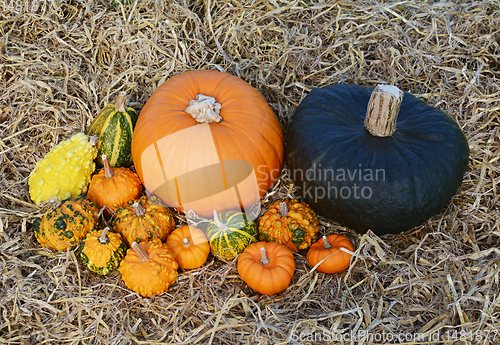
{"points": [[267, 267], [113, 187], [330, 248], [149, 268], [189, 246]]}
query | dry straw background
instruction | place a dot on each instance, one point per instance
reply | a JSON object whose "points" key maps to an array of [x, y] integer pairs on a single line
{"points": [[62, 61]]}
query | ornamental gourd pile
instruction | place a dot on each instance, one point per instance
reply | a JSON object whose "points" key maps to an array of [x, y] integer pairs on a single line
{"points": [[207, 142]]}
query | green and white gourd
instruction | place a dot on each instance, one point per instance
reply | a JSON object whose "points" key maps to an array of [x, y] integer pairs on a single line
{"points": [[115, 126], [230, 233]]}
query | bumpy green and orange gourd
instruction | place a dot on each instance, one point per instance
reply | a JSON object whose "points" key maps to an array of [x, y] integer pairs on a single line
{"points": [[65, 170], [139, 221], [66, 224], [102, 251], [289, 222]]}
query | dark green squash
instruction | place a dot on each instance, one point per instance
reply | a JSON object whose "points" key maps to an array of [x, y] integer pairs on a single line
{"points": [[388, 184]]}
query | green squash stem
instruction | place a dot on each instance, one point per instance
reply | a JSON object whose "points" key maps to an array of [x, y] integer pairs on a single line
{"points": [[264, 259], [283, 209], [139, 210], [204, 109], [108, 172], [143, 256], [120, 102], [383, 109], [326, 244], [103, 238], [220, 225], [93, 140]]}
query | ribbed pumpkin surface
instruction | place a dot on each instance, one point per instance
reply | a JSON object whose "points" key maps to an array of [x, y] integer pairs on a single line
{"points": [[226, 245], [114, 129]]}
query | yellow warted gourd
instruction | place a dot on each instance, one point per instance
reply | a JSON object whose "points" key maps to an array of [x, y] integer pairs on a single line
{"points": [[65, 171]]}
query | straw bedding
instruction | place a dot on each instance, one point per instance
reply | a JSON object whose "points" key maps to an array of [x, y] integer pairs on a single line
{"points": [[62, 61]]}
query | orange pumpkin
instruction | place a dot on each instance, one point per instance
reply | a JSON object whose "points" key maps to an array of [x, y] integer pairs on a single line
{"points": [[113, 187], [266, 267], [149, 268], [206, 141], [330, 248], [189, 246]]}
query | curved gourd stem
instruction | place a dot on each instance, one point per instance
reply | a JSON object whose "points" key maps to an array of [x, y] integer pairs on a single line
{"points": [[283, 210], [141, 253], [139, 210], [93, 140], [106, 207], [186, 242], [383, 109], [54, 202], [108, 171], [263, 257], [326, 244], [120, 102], [220, 225], [103, 239], [204, 109]]}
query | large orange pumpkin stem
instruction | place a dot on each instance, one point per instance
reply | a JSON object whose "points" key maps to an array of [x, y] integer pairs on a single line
{"points": [[283, 210], [326, 244], [103, 239], [120, 102], [108, 171], [204, 109], [143, 256], [383, 109], [220, 225], [139, 210], [186, 243], [264, 259]]}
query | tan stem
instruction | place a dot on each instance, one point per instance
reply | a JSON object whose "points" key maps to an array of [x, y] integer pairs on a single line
{"points": [[93, 140], [120, 102], [263, 257], [139, 210], [283, 210], [220, 225], [289, 191], [326, 244], [186, 242], [143, 256], [204, 109], [383, 109], [104, 236], [54, 202], [108, 171]]}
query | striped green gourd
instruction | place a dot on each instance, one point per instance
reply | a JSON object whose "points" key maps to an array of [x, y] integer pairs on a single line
{"points": [[230, 233], [115, 126]]}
